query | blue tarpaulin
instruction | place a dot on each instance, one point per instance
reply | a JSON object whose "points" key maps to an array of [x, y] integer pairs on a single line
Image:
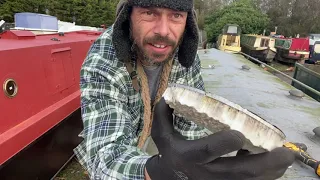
{"points": [[36, 21]]}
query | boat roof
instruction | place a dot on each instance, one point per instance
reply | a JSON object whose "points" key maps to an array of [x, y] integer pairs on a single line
{"points": [[258, 35], [317, 35], [267, 96], [230, 24], [34, 29], [16, 39]]}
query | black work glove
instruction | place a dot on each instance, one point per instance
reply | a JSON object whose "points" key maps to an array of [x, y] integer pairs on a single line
{"points": [[201, 159]]}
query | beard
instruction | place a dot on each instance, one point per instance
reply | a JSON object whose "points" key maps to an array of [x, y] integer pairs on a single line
{"points": [[140, 52]]}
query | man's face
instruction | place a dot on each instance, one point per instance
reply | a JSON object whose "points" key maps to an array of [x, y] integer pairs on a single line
{"points": [[157, 32]]}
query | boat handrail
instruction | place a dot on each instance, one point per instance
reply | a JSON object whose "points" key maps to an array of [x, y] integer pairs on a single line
{"points": [[285, 75]]}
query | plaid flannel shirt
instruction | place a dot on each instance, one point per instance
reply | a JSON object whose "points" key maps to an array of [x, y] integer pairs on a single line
{"points": [[112, 113]]}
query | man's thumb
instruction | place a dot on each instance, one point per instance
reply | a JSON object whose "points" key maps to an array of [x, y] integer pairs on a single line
{"points": [[162, 124]]}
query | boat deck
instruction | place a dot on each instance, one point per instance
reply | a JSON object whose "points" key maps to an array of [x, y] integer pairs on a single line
{"points": [[267, 96]]}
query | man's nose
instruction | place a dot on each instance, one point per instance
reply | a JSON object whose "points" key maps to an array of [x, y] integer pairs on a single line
{"points": [[162, 26]]}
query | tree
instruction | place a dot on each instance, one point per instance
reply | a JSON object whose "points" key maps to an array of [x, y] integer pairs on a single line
{"points": [[280, 13], [82, 12], [204, 7], [85, 12], [292, 17], [242, 13]]}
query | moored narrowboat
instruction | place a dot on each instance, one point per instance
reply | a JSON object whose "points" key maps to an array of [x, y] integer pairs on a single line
{"points": [[40, 99], [292, 50], [229, 40], [315, 53], [258, 46], [313, 38]]}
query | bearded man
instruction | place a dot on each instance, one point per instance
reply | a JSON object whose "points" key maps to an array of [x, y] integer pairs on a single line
{"points": [[151, 44]]}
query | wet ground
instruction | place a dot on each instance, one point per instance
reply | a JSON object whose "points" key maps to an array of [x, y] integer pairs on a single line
{"points": [[74, 171]]}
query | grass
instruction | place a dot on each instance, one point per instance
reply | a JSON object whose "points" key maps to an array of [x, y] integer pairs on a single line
{"points": [[280, 67], [72, 171]]}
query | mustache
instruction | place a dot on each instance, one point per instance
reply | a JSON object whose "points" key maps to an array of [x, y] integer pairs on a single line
{"points": [[159, 39]]}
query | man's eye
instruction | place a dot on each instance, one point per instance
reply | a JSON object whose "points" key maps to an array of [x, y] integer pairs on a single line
{"points": [[149, 13], [177, 15]]}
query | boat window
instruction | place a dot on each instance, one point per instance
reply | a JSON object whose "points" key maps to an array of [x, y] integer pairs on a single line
{"points": [[317, 48], [252, 41], [231, 40], [262, 43], [267, 43], [232, 30]]}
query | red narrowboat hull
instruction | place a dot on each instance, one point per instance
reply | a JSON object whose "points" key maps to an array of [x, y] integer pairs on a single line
{"points": [[40, 100], [289, 56], [297, 50]]}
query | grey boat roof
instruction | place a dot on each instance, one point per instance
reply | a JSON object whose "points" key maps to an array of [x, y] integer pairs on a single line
{"points": [[267, 96]]}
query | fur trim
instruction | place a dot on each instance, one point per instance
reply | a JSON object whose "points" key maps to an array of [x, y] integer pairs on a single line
{"points": [[121, 34], [180, 5], [189, 45]]}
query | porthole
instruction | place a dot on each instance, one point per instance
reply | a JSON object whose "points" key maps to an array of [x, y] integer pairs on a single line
{"points": [[10, 88]]}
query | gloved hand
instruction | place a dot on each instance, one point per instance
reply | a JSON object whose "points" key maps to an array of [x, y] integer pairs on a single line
{"points": [[201, 159]]}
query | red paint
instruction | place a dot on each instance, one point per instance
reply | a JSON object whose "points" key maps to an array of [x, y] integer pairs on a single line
{"points": [[297, 44], [47, 74], [18, 35], [300, 44], [299, 49]]}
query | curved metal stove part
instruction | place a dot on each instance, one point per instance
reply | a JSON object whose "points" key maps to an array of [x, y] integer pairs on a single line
{"points": [[216, 113]]}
